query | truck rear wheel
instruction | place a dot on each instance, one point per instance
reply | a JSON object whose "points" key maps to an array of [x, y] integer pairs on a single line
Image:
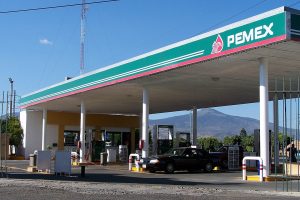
{"points": [[208, 167]]}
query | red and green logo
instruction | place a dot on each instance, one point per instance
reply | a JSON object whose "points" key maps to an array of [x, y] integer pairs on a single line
{"points": [[217, 46]]}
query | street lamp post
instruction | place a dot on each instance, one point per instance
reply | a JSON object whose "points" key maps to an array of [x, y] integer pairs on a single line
{"points": [[11, 96]]}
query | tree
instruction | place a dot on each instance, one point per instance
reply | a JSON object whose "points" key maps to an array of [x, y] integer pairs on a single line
{"points": [[243, 133], [209, 143], [232, 140], [282, 140], [248, 143], [15, 131], [3, 126]]}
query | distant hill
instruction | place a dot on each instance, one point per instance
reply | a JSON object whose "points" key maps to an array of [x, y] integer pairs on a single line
{"points": [[17, 114], [211, 123]]}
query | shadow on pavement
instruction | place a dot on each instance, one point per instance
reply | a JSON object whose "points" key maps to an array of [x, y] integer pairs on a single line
{"points": [[113, 178]]}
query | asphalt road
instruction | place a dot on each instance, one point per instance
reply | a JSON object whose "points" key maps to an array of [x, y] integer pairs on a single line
{"points": [[48, 193], [116, 182]]}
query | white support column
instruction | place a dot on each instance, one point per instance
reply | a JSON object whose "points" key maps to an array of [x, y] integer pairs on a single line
{"points": [[276, 121], [145, 124], [264, 119], [194, 126], [82, 132], [44, 128], [141, 126]]}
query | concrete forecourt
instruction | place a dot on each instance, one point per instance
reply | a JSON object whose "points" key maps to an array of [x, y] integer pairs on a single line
{"points": [[116, 182]]}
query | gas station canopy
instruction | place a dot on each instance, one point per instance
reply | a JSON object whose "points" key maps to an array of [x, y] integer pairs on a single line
{"points": [[217, 68]]}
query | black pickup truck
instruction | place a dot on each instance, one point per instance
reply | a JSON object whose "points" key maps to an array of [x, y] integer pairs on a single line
{"points": [[220, 157]]}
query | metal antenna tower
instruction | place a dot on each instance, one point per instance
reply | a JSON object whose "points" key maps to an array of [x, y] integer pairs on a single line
{"points": [[82, 35]]}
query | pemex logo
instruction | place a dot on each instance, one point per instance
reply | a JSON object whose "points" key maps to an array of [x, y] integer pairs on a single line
{"points": [[217, 46]]}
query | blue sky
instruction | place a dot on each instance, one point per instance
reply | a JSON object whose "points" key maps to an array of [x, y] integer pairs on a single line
{"points": [[40, 48]]}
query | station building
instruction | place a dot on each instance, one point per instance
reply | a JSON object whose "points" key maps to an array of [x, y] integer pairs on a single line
{"points": [[235, 64]]}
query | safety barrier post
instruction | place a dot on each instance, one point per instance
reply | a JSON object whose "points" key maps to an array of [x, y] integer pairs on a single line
{"points": [[244, 167], [244, 170], [137, 165], [130, 161], [261, 171]]}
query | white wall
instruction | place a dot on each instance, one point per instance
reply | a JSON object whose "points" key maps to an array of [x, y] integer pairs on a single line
{"points": [[51, 134], [23, 121], [31, 122], [32, 131]]}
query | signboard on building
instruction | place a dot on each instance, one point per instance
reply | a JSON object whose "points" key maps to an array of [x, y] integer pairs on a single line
{"points": [[258, 31]]}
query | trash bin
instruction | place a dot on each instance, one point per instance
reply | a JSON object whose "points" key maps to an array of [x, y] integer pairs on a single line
{"points": [[32, 160], [103, 158]]}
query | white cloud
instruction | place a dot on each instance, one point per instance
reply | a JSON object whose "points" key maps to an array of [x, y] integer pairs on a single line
{"points": [[45, 41]]}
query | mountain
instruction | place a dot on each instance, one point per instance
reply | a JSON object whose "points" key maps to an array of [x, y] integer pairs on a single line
{"points": [[3, 117], [211, 123]]}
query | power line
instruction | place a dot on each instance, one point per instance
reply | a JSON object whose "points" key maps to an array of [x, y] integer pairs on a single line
{"points": [[227, 19], [55, 7], [235, 15], [293, 4]]}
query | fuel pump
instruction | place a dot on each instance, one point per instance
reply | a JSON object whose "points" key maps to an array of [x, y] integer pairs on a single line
{"points": [[163, 138], [183, 139]]}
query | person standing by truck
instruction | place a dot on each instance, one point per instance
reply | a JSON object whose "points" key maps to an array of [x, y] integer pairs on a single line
{"points": [[292, 153]]}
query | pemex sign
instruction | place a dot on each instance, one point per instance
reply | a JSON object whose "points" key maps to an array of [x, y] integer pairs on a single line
{"points": [[255, 32]]}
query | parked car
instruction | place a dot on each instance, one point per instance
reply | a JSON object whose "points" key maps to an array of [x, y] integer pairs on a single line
{"points": [[185, 158]]}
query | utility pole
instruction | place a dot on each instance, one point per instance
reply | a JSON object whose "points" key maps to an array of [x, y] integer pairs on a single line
{"points": [[14, 104], [11, 96], [5, 138], [82, 35], [2, 102]]}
